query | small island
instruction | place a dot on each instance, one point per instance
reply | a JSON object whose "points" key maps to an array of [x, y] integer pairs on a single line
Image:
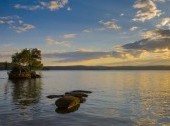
{"points": [[25, 63]]}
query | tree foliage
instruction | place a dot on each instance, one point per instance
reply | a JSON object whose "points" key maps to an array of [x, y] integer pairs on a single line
{"points": [[30, 58]]}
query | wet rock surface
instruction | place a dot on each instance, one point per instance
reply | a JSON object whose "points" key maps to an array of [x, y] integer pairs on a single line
{"points": [[66, 111], [67, 102], [54, 96], [82, 91], [70, 101], [76, 94]]}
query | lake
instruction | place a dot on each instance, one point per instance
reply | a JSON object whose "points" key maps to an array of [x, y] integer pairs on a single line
{"points": [[119, 98]]}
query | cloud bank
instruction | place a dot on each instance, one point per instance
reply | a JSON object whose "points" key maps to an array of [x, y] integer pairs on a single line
{"points": [[145, 48]]}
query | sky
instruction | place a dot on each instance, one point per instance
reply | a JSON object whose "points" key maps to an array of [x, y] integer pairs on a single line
{"points": [[87, 32]]}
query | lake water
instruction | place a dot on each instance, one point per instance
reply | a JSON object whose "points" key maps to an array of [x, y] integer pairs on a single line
{"points": [[119, 98]]}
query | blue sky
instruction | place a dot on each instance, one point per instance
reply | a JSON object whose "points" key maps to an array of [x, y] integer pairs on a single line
{"points": [[87, 32]]}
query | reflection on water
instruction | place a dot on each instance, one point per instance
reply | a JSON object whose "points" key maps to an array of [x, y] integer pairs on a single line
{"points": [[26, 92], [146, 95], [119, 98]]}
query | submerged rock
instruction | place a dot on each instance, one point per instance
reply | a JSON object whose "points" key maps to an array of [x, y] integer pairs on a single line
{"points": [[66, 111], [82, 100], [54, 96], [67, 102], [70, 101], [82, 91], [76, 94]]}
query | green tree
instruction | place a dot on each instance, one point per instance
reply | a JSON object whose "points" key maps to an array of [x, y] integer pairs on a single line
{"points": [[30, 58], [24, 63]]}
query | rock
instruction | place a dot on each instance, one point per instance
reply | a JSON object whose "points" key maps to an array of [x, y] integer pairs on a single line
{"points": [[22, 73], [34, 75], [76, 94], [54, 96], [82, 100], [80, 96], [65, 111], [82, 91], [67, 102]]}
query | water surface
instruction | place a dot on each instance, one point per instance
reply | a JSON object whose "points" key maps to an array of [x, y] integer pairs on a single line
{"points": [[119, 98]]}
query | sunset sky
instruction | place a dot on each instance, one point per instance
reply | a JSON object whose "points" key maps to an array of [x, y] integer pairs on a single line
{"points": [[87, 32]]}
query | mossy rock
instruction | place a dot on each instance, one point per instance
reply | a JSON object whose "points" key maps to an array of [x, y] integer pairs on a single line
{"points": [[67, 102]]}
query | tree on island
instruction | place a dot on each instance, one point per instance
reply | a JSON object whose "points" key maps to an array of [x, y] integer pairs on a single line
{"points": [[25, 62]]}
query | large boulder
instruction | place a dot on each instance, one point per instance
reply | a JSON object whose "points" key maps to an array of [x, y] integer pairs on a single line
{"points": [[66, 111], [67, 102]]}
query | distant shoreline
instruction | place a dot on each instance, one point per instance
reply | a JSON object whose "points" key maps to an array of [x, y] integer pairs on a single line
{"points": [[106, 68], [8, 66]]}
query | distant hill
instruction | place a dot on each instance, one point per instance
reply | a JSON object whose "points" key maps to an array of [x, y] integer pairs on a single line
{"points": [[7, 66], [106, 68]]}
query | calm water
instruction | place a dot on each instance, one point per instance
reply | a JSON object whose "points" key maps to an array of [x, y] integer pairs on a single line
{"points": [[119, 98]]}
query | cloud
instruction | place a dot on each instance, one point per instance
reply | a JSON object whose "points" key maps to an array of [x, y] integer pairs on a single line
{"points": [[25, 7], [156, 34], [165, 23], [147, 9], [51, 41], [133, 28], [6, 51], [160, 1], [149, 44], [2, 22], [122, 14], [87, 30], [80, 55], [55, 4], [14, 22], [23, 28], [145, 48], [155, 40], [84, 50], [110, 25], [51, 5], [148, 49], [69, 9], [68, 36], [7, 18]]}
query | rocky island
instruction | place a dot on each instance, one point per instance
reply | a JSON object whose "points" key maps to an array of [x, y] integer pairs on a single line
{"points": [[25, 63]]}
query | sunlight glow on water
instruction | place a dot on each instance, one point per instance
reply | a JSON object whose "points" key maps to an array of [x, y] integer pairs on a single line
{"points": [[119, 98]]}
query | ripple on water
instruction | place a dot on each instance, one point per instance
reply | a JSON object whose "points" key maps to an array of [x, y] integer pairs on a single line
{"points": [[119, 98]]}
